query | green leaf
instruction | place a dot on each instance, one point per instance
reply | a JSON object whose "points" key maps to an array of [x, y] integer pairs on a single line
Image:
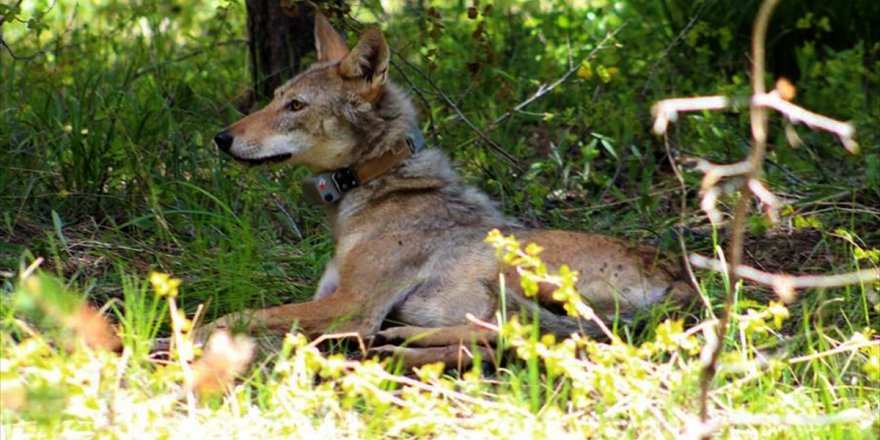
{"points": [[603, 73], [563, 22], [805, 21], [872, 171], [758, 224], [59, 225]]}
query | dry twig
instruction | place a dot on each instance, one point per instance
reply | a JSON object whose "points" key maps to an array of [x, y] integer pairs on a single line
{"points": [[784, 284], [667, 111], [451, 104], [543, 89], [747, 182]]}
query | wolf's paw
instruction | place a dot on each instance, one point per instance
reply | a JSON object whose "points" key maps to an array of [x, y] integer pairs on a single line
{"points": [[398, 336], [387, 351], [380, 338]]}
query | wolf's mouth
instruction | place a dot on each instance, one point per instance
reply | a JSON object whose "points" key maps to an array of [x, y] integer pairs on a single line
{"points": [[264, 160]]}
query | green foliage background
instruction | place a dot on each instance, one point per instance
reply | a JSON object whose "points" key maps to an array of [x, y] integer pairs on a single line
{"points": [[107, 109]]}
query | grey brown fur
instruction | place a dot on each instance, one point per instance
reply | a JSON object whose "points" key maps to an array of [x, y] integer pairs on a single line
{"points": [[410, 243]]}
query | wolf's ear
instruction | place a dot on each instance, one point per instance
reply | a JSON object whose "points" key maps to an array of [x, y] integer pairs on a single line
{"points": [[328, 42], [368, 60]]}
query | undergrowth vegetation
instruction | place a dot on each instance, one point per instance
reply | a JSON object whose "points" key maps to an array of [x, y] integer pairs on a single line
{"points": [[107, 109]]}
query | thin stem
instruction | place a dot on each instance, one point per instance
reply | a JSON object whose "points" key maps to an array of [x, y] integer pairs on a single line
{"points": [[756, 160]]}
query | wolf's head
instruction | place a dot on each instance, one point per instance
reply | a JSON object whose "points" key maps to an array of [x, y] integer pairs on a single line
{"points": [[340, 111]]}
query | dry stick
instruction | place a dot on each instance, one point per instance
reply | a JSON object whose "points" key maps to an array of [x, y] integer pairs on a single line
{"points": [[12, 53], [30, 269], [759, 133], [290, 221], [769, 199], [841, 349], [847, 416], [337, 336], [541, 92], [756, 158], [449, 102], [178, 339], [432, 126], [784, 284], [796, 114], [191, 54], [681, 219], [449, 393], [675, 41], [712, 173], [667, 111], [544, 89]]}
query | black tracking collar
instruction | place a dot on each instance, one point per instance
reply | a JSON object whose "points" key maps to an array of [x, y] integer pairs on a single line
{"points": [[327, 188]]}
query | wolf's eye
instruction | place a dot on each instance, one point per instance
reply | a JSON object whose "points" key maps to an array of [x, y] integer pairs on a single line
{"points": [[295, 105]]}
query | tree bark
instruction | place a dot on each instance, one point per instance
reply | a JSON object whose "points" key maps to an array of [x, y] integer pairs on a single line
{"points": [[280, 34]]}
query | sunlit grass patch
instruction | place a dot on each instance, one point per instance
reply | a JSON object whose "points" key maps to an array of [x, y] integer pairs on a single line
{"points": [[55, 383], [108, 174]]}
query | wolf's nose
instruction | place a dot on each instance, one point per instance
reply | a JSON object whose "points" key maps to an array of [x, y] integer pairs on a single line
{"points": [[223, 140]]}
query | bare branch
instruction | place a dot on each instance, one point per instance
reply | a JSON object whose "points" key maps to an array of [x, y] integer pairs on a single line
{"points": [[784, 284], [682, 222], [451, 104], [18, 57], [756, 159], [41, 51], [843, 348], [848, 416], [30, 269], [709, 205], [667, 110], [432, 126], [543, 89], [290, 221], [207, 49], [770, 201], [843, 130], [714, 172], [684, 31]]}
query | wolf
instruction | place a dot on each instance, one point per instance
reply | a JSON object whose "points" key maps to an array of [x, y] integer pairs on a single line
{"points": [[408, 233]]}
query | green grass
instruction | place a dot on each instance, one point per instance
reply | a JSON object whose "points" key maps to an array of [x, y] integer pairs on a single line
{"points": [[108, 174]]}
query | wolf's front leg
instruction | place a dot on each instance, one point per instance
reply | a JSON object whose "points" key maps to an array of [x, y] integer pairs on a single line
{"points": [[329, 280], [339, 312]]}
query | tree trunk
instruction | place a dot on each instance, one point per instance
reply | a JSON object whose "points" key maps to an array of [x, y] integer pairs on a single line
{"points": [[280, 33]]}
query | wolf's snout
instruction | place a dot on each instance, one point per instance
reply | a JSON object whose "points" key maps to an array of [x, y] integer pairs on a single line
{"points": [[223, 140]]}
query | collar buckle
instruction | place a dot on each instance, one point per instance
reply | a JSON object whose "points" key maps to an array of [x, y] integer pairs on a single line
{"points": [[327, 188]]}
